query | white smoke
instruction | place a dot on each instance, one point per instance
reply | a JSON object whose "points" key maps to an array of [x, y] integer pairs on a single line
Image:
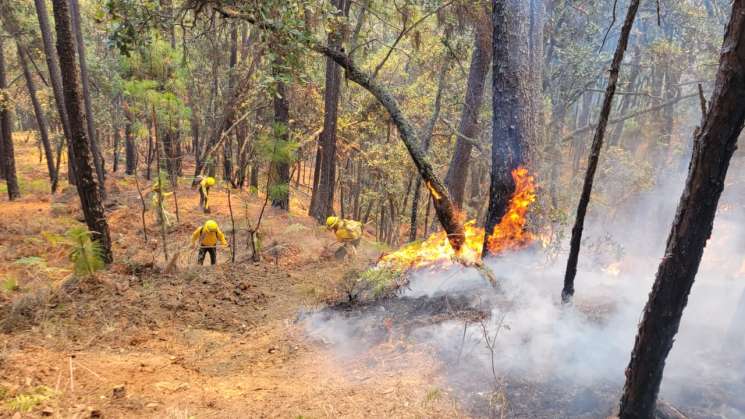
{"points": [[578, 354]]}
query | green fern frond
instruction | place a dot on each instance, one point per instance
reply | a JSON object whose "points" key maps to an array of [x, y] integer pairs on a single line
{"points": [[85, 253]]}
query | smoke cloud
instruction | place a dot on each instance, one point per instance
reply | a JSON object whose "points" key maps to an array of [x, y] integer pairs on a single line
{"points": [[554, 361]]}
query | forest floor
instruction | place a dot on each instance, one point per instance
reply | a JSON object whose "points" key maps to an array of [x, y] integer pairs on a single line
{"points": [[140, 340]]}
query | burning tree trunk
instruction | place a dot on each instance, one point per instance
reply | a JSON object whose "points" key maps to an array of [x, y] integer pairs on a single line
{"points": [[712, 150], [597, 145], [7, 157], [41, 119], [513, 108], [455, 180], [90, 200]]}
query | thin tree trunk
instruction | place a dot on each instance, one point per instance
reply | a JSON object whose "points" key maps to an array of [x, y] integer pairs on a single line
{"points": [[56, 81], [597, 144], [6, 135], [712, 151], [41, 119], [130, 150], [426, 139], [90, 200], [90, 122], [227, 159], [455, 180]]}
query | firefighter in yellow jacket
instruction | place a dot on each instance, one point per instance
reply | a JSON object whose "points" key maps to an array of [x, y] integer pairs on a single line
{"points": [[347, 232], [207, 236], [204, 193]]}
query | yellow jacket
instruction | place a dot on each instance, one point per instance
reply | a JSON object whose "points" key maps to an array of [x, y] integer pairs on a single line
{"points": [[348, 230], [208, 238]]}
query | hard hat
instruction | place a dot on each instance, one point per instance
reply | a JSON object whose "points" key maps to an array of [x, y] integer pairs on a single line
{"points": [[210, 181], [210, 225], [331, 221]]}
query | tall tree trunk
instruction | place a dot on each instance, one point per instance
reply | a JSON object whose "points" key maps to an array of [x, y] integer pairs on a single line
{"points": [[712, 150], [455, 180], [227, 170], [597, 144], [323, 204], [6, 135], [279, 175], [41, 119], [56, 81], [513, 124], [90, 122], [90, 200], [426, 138]]}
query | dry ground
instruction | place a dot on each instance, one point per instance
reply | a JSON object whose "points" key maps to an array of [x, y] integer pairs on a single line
{"points": [[193, 342]]}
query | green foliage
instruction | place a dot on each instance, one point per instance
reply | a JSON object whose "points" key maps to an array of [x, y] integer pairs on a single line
{"points": [[32, 261], [9, 284], [85, 254], [27, 402]]}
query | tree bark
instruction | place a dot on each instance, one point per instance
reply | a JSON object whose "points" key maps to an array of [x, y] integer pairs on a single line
{"points": [[455, 180], [90, 122], [41, 119], [512, 106], [130, 150], [712, 151], [323, 204], [597, 144], [56, 81], [90, 200], [279, 176], [6, 135]]}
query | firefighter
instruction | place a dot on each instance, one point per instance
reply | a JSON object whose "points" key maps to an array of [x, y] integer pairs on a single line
{"points": [[204, 193], [207, 236], [347, 232]]}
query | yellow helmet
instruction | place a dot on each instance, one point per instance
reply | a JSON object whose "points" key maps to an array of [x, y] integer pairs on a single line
{"points": [[210, 225], [331, 221], [210, 181]]}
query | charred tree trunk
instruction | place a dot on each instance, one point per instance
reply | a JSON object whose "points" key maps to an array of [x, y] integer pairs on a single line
{"points": [[90, 200], [511, 104], [455, 180], [90, 122], [323, 203], [55, 80], [41, 119], [6, 135], [597, 144], [712, 150]]}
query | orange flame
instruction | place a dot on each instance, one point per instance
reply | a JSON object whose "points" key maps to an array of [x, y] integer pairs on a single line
{"points": [[508, 234]]}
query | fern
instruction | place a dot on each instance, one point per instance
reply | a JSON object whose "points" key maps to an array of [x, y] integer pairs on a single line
{"points": [[85, 253]]}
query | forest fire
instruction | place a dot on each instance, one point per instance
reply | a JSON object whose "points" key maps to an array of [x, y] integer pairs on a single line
{"points": [[509, 234]]}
